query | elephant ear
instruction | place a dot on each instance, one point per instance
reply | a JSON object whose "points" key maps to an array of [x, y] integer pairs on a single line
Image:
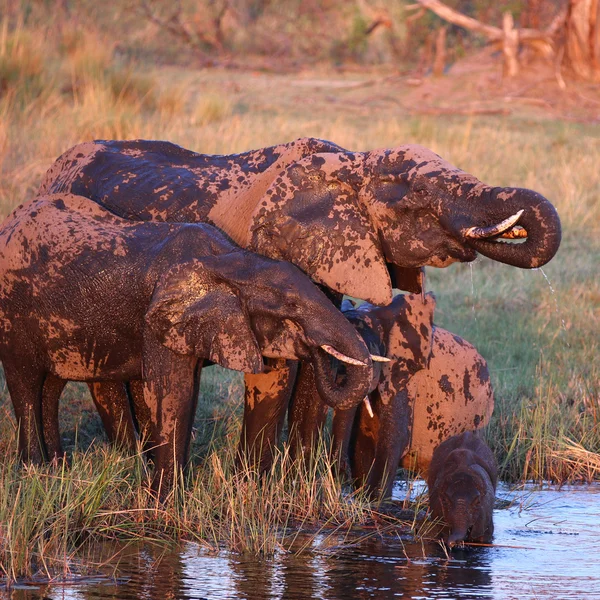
{"points": [[193, 312], [407, 325], [311, 216]]}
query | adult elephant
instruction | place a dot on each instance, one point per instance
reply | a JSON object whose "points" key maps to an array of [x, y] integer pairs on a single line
{"points": [[88, 296], [356, 222]]}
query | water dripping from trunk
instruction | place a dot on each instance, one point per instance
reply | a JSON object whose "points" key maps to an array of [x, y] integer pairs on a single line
{"points": [[562, 321]]}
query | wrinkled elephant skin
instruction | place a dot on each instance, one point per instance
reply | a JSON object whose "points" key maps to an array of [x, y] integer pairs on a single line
{"points": [[462, 485], [356, 222], [452, 395], [443, 390], [88, 296]]}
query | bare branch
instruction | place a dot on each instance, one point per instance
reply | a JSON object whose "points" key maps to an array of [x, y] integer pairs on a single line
{"points": [[457, 18]]}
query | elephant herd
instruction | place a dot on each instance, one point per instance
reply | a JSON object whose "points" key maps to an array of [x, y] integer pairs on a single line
{"points": [[140, 261]]}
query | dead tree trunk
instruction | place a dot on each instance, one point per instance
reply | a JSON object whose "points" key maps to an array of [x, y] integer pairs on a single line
{"points": [[582, 39], [510, 46], [509, 39], [439, 60]]}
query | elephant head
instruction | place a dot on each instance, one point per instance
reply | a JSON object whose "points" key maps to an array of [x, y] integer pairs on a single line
{"points": [[344, 217], [372, 441], [237, 307]]}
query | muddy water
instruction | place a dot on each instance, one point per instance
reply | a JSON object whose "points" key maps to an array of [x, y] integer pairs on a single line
{"points": [[547, 545]]}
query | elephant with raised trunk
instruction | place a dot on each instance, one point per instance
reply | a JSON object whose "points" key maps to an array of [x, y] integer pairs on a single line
{"points": [[356, 222], [462, 488], [86, 295]]}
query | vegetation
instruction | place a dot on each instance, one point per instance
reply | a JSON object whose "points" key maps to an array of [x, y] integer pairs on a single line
{"points": [[539, 330]]}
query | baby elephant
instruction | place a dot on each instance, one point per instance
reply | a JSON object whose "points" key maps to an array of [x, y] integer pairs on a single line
{"points": [[86, 295], [462, 485]]}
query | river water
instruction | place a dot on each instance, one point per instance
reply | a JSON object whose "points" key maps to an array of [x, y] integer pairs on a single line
{"points": [[546, 545]]}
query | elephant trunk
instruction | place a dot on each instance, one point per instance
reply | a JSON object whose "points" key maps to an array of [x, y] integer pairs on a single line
{"points": [[458, 533], [338, 395], [511, 213]]}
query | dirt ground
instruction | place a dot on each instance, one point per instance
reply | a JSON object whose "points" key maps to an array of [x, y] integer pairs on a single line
{"points": [[472, 86]]}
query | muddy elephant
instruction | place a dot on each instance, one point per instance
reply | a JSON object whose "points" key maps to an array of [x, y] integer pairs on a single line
{"points": [[437, 385], [462, 486], [356, 222], [86, 295]]}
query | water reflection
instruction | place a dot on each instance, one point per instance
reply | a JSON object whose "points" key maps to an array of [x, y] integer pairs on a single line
{"points": [[546, 545]]}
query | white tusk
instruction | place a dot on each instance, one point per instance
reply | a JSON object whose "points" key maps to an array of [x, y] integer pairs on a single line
{"points": [[377, 358], [368, 406], [346, 359], [485, 232]]}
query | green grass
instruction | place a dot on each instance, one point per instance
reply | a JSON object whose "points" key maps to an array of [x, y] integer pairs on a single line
{"points": [[58, 88]]}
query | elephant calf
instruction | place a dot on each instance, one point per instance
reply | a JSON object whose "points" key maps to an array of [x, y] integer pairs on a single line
{"points": [[86, 295], [462, 486]]}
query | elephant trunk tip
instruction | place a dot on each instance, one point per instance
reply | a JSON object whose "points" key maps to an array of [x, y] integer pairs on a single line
{"points": [[456, 537]]}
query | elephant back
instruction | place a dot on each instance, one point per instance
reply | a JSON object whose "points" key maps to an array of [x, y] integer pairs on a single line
{"points": [[453, 395]]}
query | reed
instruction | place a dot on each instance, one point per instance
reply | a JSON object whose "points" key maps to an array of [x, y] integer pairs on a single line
{"points": [[58, 88]]}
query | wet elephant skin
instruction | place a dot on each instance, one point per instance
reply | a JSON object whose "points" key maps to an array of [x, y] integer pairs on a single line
{"points": [[462, 484], [436, 386], [348, 219], [88, 296]]}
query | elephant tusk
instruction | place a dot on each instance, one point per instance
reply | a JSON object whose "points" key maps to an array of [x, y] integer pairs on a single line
{"points": [[377, 358], [492, 230], [368, 406], [346, 359], [516, 233]]}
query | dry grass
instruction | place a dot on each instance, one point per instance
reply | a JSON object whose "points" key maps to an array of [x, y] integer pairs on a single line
{"points": [[58, 88], [50, 516]]}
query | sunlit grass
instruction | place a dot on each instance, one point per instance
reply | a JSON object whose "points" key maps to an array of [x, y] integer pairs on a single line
{"points": [[60, 87], [49, 515]]}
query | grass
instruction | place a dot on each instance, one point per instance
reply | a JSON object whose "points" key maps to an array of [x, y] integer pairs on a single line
{"points": [[58, 88], [51, 516]]}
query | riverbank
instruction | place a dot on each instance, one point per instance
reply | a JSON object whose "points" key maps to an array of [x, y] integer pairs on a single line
{"points": [[539, 330]]}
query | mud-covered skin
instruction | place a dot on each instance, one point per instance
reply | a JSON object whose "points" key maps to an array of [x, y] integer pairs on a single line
{"points": [[437, 386], [462, 484], [373, 446], [347, 219], [261, 428], [86, 295], [340, 216], [452, 395], [441, 390]]}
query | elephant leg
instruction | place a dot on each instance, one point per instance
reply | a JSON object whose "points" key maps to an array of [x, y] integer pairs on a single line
{"points": [[169, 394], [53, 387], [112, 403], [380, 441], [341, 434], [25, 385], [306, 415], [266, 400], [141, 413]]}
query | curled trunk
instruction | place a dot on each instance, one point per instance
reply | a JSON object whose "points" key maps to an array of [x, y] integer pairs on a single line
{"points": [[539, 219], [343, 395]]}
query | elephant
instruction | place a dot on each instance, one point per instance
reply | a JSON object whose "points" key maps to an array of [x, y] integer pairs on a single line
{"points": [[462, 485], [358, 223], [86, 295], [436, 385]]}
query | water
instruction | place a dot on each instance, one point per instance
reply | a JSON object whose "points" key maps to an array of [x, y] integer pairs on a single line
{"points": [[547, 545], [562, 321]]}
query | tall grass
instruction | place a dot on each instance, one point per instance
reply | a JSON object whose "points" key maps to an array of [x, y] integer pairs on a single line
{"points": [[50, 516], [58, 88]]}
